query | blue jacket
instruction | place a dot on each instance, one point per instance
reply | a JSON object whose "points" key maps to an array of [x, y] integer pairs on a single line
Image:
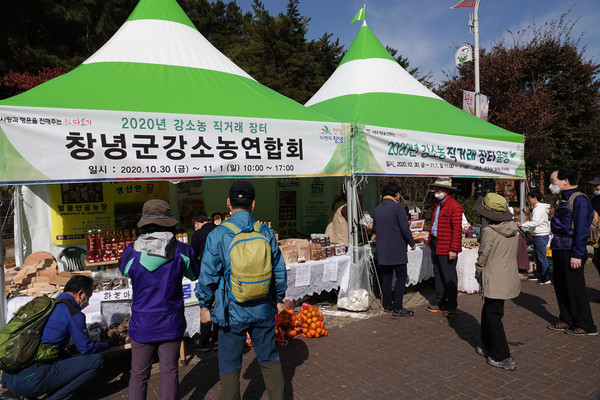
{"points": [[210, 292], [390, 224], [565, 237], [62, 325], [157, 311]]}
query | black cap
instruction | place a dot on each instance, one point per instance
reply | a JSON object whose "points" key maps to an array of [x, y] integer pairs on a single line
{"points": [[595, 181], [241, 189]]}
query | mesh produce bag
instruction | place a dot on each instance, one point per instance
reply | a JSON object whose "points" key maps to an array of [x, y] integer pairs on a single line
{"points": [[355, 294]]}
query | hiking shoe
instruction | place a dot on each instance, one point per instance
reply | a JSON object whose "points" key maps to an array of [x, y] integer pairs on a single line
{"points": [[388, 307], [481, 351], [432, 308], [580, 332], [544, 281], [402, 312], [507, 364], [204, 348], [450, 313], [559, 326]]}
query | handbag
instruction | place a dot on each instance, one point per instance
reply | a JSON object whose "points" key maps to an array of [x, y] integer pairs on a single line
{"points": [[527, 236]]}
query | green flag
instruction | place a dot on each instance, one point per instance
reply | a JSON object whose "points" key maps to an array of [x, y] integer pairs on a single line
{"points": [[360, 15]]}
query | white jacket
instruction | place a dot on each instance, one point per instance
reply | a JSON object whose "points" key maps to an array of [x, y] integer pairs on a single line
{"points": [[539, 220]]}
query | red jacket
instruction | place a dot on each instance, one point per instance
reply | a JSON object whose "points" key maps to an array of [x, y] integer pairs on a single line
{"points": [[449, 228]]}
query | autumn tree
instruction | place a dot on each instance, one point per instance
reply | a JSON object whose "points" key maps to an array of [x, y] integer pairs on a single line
{"points": [[541, 85]]}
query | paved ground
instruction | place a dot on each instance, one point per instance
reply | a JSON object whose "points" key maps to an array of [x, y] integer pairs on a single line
{"points": [[424, 357]]}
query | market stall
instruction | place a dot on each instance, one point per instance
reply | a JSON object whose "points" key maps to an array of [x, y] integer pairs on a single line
{"points": [[402, 128]]}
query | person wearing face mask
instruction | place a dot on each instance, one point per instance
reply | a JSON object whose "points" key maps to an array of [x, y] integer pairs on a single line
{"points": [[596, 205], [445, 241], [60, 377], [540, 226], [570, 229]]}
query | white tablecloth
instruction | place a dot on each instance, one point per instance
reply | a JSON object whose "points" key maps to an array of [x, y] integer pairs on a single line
{"points": [[317, 284], [465, 268], [419, 267]]}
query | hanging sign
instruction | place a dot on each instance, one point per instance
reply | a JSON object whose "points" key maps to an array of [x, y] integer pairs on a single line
{"points": [[463, 54], [469, 104]]}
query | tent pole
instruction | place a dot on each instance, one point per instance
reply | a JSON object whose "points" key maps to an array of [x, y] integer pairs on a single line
{"points": [[18, 235], [3, 291], [522, 200], [349, 208]]}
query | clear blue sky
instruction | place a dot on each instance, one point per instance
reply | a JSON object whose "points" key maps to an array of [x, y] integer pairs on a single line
{"points": [[427, 32]]}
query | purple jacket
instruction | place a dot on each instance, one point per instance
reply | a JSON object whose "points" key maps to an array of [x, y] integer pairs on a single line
{"points": [[157, 312], [565, 237]]}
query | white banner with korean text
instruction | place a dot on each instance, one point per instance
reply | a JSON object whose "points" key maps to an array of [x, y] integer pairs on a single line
{"points": [[57, 145], [391, 151]]}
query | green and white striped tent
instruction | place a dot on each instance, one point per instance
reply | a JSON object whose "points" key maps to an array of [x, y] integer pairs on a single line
{"points": [[158, 101], [403, 128]]}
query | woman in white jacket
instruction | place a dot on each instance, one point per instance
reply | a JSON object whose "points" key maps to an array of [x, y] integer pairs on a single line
{"points": [[539, 226]]}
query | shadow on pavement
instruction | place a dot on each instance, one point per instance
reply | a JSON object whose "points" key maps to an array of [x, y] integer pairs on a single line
{"points": [[536, 305], [467, 328], [292, 356], [200, 379], [113, 378], [593, 294]]}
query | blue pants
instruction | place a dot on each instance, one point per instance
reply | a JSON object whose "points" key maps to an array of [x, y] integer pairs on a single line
{"points": [[232, 339], [59, 379], [541, 260]]}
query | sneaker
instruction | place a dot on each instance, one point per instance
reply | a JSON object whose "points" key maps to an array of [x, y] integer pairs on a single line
{"points": [[481, 351], [544, 281], [507, 364], [432, 308], [402, 312], [580, 332], [532, 277], [450, 313], [559, 326]]}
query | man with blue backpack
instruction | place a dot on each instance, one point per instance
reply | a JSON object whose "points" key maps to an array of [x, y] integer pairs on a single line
{"points": [[242, 285]]}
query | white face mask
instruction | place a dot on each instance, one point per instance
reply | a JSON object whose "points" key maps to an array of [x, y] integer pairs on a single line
{"points": [[440, 196], [597, 193], [554, 189]]}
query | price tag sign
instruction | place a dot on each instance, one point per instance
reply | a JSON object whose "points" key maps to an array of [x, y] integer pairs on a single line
{"points": [[330, 270], [302, 275]]}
